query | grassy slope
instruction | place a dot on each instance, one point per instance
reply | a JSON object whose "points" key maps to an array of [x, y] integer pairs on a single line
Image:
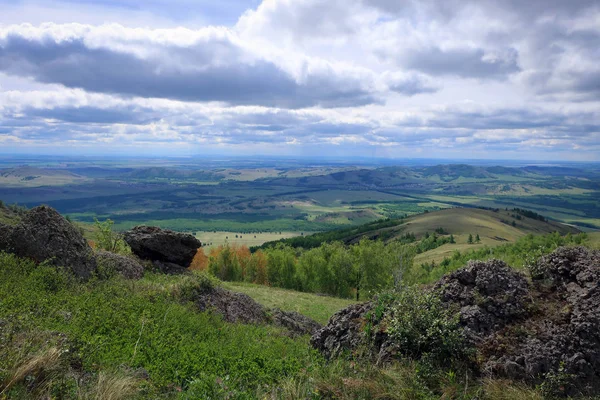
{"points": [[319, 308], [461, 222], [126, 325]]}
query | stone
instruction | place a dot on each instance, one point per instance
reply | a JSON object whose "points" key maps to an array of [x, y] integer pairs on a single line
{"points": [[128, 267], [162, 245], [44, 235]]}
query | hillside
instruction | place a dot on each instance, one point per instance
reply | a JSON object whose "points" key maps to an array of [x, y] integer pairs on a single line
{"points": [[493, 227], [34, 177], [136, 323]]}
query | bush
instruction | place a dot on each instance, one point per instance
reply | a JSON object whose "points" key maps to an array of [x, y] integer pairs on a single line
{"points": [[107, 239], [423, 328]]}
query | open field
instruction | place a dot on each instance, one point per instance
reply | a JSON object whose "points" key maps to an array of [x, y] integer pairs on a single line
{"points": [[215, 238], [319, 308]]}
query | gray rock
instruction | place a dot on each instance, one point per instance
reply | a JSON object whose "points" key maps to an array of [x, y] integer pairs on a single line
{"points": [[296, 323], [125, 266], [344, 331], [233, 306], [490, 295], [164, 246], [43, 234]]}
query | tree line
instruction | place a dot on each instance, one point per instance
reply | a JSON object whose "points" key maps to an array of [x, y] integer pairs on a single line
{"points": [[355, 271]]}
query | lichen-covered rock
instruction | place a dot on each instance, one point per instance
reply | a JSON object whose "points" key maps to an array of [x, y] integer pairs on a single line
{"points": [[296, 323], [111, 263], [344, 331], [163, 246], [490, 295], [43, 234]]}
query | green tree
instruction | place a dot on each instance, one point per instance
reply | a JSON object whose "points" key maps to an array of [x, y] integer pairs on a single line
{"points": [[477, 239], [470, 240], [452, 239]]}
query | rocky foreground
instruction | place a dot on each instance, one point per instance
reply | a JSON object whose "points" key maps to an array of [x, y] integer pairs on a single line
{"points": [[540, 329]]}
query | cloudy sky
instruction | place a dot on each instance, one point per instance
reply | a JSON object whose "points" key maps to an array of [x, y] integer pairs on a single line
{"points": [[378, 78]]}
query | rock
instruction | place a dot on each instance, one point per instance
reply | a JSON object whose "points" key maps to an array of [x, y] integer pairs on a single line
{"points": [[165, 246], [111, 263], [5, 234], [43, 234], [296, 323], [343, 331], [233, 306], [240, 308], [489, 294], [169, 268]]}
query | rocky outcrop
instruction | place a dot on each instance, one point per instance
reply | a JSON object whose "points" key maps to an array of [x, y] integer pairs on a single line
{"points": [[544, 332], [561, 340], [44, 235], [294, 322], [171, 252], [344, 331], [490, 295], [111, 263]]}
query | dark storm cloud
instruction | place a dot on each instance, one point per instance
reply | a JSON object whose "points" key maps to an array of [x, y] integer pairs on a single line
{"points": [[177, 74]]}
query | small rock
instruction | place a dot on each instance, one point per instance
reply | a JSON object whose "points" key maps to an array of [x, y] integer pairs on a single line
{"points": [[127, 267]]}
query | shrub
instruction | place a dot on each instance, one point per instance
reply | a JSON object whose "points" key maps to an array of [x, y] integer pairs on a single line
{"points": [[107, 239], [423, 328]]}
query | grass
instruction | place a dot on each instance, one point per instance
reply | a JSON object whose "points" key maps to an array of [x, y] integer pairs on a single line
{"points": [[319, 308], [116, 324], [594, 240], [215, 238]]}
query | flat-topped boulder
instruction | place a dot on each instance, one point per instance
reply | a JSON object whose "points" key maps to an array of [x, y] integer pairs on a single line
{"points": [[162, 246], [45, 235]]}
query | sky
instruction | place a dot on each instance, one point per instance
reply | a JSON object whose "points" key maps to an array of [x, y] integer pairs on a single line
{"points": [[489, 79]]}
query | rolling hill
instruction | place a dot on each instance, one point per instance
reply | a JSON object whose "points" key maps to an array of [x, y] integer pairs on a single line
{"points": [[34, 177], [494, 227]]}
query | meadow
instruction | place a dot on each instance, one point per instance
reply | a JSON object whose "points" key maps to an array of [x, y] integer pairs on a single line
{"points": [[216, 238]]}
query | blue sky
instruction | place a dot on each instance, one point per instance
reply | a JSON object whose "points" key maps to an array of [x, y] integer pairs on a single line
{"points": [[384, 78]]}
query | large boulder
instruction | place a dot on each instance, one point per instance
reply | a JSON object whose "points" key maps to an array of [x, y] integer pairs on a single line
{"points": [[111, 263], [167, 249], [43, 234]]}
